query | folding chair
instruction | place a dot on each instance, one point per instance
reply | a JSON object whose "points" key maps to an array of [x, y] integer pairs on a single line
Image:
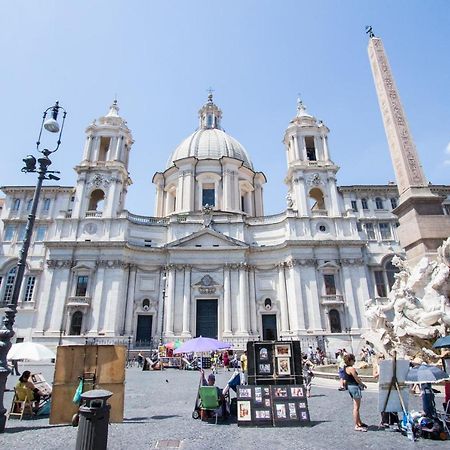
{"points": [[21, 408], [444, 417], [209, 400]]}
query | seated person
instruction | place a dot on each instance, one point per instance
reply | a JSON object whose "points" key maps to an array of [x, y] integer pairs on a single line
{"points": [[26, 390], [211, 382]]}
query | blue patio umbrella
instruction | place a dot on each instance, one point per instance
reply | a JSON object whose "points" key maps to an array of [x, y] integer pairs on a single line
{"points": [[442, 342], [426, 374]]}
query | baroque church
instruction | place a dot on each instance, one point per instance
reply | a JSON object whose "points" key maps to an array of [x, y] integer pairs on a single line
{"points": [[209, 262]]}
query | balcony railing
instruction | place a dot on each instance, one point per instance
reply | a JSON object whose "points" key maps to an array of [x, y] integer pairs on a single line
{"points": [[94, 214], [332, 299], [319, 212], [79, 301]]}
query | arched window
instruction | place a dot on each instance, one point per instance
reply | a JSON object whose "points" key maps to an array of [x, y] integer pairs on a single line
{"points": [[385, 278], [317, 201], [335, 321], [146, 304], [9, 285], [96, 200], [75, 323]]}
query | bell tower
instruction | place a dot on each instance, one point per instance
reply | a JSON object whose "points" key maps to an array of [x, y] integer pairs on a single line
{"points": [[311, 176], [103, 177]]}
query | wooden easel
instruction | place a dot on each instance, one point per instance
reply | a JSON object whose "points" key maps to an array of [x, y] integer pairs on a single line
{"points": [[394, 384]]}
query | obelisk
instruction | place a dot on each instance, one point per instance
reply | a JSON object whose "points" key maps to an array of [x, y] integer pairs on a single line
{"points": [[423, 226]]}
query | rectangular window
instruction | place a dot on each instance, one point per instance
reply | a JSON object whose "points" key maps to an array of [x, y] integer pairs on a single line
{"points": [[29, 289], [9, 285], [364, 203], [208, 195], [41, 231], [242, 203], [330, 284], [379, 203], [394, 203], [9, 232], [21, 235], [82, 282], [46, 206], [447, 210], [370, 231], [379, 283], [354, 206], [385, 230], [358, 226]]}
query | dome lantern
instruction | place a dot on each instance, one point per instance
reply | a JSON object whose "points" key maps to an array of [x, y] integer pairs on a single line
{"points": [[210, 115]]}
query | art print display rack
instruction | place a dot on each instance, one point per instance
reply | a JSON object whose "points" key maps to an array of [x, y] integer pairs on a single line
{"points": [[275, 395], [274, 362], [275, 405]]}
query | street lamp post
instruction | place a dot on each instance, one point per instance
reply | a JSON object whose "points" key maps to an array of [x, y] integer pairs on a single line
{"points": [[41, 167]]}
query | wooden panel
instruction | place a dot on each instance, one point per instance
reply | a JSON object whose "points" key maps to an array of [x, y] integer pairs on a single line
{"points": [[72, 361]]}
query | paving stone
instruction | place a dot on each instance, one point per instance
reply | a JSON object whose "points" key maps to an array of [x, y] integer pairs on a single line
{"points": [[157, 411]]}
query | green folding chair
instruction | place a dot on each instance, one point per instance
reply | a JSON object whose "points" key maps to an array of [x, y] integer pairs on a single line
{"points": [[209, 399]]}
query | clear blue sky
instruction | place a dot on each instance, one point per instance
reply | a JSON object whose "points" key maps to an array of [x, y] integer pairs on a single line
{"points": [[160, 57]]}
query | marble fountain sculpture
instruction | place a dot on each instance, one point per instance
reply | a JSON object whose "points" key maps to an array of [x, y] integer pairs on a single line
{"points": [[417, 311]]}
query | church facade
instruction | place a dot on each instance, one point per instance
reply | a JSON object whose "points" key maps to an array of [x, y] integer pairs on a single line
{"points": [[209, 262]]}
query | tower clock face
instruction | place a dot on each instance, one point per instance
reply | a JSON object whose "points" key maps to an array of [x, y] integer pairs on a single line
{"points": [[90, 228]]}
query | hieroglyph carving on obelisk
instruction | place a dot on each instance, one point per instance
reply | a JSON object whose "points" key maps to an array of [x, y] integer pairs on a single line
{"points": [[408, 171]]}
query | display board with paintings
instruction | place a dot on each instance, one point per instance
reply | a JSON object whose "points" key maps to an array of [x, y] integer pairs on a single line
{"points": [[276, 405], [274, 362]]}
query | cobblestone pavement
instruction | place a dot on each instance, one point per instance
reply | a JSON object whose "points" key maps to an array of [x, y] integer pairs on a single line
{"points": [[158, 407]]}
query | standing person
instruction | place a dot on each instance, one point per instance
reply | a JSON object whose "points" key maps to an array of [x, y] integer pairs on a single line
{"points": [[244, 368], [226, 360], [307, 366], [355, 387], [234, 361], [140, 359], [15, 367]]}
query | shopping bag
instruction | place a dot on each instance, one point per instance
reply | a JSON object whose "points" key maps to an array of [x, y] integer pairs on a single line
{"points": [[77, 397]]}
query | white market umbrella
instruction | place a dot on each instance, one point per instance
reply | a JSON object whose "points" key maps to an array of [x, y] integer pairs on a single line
{"points": [[31, 351]]}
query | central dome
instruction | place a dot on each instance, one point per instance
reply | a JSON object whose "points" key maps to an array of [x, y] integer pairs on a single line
{"points": [[210, 141]]}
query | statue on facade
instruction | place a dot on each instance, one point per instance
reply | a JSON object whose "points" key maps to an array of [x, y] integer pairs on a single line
{"points": [[417, 310]]}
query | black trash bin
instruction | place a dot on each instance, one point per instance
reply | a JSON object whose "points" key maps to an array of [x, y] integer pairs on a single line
{"points": [[94, 420]]}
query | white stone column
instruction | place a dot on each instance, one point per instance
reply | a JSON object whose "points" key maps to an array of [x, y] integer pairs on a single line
{"points": [[170, 302], [292, 297], [86, 151], [130, 301], [179, 204], [309, 276], [334, 196], [95, 287], [325, 148], [243, 301], [296, 292], [363, 295], [301, 196], [226, 301], [283, 301], [252, 301], [352, 316], [159, 200], [296, 155], [60, 295], [186, 332]]}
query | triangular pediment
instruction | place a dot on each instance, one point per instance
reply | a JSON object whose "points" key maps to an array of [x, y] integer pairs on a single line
{"points": [[208, 239]]}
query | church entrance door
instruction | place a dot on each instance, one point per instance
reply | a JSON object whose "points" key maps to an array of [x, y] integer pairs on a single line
{"points": [[269, 324], [207, 324], [144, 330]]}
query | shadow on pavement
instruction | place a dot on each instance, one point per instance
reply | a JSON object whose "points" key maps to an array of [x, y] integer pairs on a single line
{"points": [[31, 428], [146, 419]]}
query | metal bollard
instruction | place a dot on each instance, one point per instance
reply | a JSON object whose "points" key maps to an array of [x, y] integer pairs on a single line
{"points": [[94, 419]]}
